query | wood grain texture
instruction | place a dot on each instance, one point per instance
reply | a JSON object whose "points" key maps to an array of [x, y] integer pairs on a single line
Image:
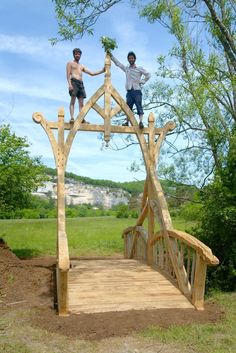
{"points": [[117, 285]]}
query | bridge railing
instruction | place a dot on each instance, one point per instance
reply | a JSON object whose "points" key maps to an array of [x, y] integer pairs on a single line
{"points": [[193, 257]]}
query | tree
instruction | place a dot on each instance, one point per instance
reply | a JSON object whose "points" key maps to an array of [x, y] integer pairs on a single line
{"points": [[77, 17], [20, 174], [201, 93], [218, 226]]}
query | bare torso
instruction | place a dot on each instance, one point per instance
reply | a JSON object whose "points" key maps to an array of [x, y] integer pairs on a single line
{"points": [[76, 70]]}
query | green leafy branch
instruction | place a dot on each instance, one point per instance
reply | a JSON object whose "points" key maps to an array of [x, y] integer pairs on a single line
{"points": [[108, 43]]}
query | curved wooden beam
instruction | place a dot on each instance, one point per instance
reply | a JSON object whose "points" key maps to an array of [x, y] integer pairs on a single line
{"points": [[168, 127], [203, 250], [158, 203], [80, 118], [142, 215], [39, 119], [140, 230]]}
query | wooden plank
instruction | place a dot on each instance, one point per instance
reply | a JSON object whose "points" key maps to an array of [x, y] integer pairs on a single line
{"points": [[118, 285]]}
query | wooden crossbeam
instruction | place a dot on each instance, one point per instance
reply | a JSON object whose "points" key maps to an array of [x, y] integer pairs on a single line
{"points": [[100, 128]]}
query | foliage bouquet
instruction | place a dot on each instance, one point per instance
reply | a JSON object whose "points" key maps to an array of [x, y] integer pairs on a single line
{"points": [[108, 43]]}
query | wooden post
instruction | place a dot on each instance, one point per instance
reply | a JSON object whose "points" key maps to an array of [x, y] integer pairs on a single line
{"points": [[151, 162], [62, 275], [199, 284], [107, 99], [62, 292], [61, 225]]}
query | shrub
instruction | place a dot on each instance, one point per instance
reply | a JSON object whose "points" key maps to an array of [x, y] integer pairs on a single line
{"points": [[122, 211]]}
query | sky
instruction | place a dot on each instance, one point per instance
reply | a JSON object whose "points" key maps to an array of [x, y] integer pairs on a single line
{"points": [[33, 79]]}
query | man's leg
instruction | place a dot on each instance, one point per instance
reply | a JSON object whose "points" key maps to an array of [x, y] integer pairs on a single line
{"points": [[130, 103], [81, 104], [138, 103], [72, 108]]}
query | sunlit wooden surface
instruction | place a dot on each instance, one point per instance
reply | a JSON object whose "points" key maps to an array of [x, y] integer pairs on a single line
{"points": [[117, 285]]}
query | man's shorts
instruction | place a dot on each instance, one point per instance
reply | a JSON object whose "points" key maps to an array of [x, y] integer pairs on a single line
{"points": [[78, 89]]}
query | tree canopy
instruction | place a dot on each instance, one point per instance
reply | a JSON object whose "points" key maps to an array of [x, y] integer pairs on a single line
{"points": [[20, 173], [195, 84]]}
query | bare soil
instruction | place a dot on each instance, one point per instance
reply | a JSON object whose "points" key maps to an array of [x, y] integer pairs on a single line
{"points": [[30, 284]]}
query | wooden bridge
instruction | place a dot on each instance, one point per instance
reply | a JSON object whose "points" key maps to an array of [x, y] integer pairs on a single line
{"points": [[96, 286], [161, 269]]}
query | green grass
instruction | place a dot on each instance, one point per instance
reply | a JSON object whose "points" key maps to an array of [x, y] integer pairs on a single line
{"points": [[98, 236], [203, 338], [86, 236]]}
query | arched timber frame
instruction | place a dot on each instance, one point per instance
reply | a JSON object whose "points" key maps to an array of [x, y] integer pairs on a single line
{"points": [[153, 207]]}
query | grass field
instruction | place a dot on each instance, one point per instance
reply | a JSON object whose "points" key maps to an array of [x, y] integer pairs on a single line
{"points": [[87, 236], [207, 338]]}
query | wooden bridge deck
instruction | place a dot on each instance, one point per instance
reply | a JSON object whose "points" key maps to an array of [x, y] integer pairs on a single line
{"points": [[118, 285]]}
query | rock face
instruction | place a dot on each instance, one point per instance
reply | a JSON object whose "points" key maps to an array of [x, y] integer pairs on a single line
{"points": [[79, 193]]}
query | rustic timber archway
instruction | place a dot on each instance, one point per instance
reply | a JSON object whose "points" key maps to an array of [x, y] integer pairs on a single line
{"points": [[181, 256]]}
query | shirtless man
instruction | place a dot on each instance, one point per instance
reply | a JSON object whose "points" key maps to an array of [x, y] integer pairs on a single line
{"points": [[75, 81]]}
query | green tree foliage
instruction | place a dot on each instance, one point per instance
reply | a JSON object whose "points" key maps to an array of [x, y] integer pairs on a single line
{"points": [[195, 84], [108, 43], [218, 228], [20, 174], [77, 17], [122, 211]]}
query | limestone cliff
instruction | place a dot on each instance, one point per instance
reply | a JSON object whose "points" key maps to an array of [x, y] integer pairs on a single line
{"points": [[78, 193]]}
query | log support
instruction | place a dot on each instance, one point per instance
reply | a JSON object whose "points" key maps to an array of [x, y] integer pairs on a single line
{"points": [[199, 283]]}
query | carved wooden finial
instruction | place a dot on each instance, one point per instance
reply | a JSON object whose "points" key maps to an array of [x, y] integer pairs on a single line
{"points": [[169, 126], [37, 117], [151, 118], [61, 112]]}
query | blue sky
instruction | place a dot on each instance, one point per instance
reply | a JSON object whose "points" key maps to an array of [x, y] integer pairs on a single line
{"points": [[33, 78]]}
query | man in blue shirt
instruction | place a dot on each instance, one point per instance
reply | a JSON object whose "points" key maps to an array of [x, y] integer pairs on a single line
{"points": [[136, 77]]}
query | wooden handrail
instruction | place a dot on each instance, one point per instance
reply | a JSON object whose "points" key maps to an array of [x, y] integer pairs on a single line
{"points": [[203, 250], [138, 229]]}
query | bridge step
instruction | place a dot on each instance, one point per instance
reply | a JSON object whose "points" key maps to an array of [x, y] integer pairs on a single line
{"points": [[118, 285]]}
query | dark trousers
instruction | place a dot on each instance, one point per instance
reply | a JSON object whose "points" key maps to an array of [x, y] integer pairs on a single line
{"points": [[134, 97]]}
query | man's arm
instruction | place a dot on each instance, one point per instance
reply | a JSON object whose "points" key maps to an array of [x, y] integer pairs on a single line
{"points": [[93, 73], [146, 75], [68, 75], [117, 63]]}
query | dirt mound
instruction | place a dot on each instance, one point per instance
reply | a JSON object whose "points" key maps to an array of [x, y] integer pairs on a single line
{"points": [[30, 283], [27, 281]]}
